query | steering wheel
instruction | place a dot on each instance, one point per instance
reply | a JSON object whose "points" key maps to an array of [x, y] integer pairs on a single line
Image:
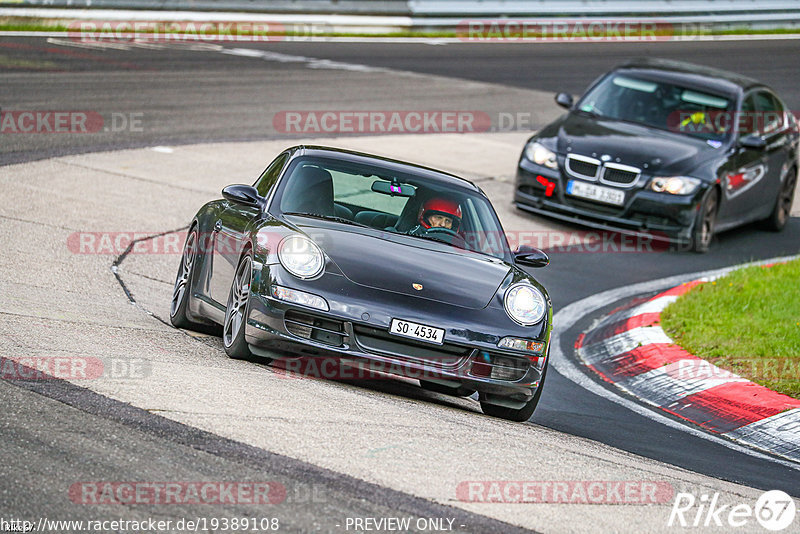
{"points": [[440, 231]]}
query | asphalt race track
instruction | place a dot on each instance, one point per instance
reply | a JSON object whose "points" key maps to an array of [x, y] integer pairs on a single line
{"points": [[341, 449]]}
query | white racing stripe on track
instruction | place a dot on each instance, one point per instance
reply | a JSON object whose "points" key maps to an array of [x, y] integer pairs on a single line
{"points": [[624, 342], [569, 369], [311, 62], [778, 432], [651, 306], [665, 385], [93, 45]]}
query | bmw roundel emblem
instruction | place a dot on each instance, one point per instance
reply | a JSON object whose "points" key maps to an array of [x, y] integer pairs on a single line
{"points": [[605, 157]]}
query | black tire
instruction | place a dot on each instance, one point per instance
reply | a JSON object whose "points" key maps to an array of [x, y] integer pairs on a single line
{"points": [[516, 414], [460, 391], [183, 283], [703, 230], [236, 310], [783, 204]]}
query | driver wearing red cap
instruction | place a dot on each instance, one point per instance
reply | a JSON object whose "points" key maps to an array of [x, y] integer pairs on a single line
{"points": [[440, 213]]}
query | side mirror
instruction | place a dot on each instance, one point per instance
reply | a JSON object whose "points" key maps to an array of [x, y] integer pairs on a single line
{"points": [[531, 256], [242, 194], [753, 141], [564, 100]]}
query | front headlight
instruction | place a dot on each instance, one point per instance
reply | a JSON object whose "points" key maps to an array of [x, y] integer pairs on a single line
{"points": [[301, 256], [525, 304], [675, 185], [541, 155]]}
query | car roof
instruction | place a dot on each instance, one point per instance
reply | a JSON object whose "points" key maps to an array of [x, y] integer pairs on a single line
{"points": [[352, 156], [691, 74]]}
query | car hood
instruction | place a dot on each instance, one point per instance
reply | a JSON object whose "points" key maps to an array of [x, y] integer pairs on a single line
{"points": [[395, 263], [652, 150]]}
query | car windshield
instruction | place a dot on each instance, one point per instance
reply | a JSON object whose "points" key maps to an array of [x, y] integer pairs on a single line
{"points": [[391, 201], [661, 105]]}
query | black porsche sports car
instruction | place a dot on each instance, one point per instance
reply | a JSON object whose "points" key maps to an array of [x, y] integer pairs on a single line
{"points": [[666, 149], [371, 261]]}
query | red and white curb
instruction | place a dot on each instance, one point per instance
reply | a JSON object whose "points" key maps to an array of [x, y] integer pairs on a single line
{"points": [[629, 349]]}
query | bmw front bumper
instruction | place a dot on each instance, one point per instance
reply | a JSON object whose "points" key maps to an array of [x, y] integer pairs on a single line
{"points": [[657, 216]]}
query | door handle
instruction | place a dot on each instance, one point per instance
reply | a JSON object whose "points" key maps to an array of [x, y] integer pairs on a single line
{"points": [[218, 226]]}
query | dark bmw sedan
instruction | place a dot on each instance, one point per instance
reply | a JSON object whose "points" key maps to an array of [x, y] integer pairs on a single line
{"points": [[665, 149]]}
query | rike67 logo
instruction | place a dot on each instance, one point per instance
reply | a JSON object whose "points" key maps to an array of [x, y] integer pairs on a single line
{"points": [[774, 510]]}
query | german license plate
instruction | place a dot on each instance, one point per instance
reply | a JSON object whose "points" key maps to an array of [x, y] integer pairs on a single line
{"points": [[596, 192], [417, 331]]}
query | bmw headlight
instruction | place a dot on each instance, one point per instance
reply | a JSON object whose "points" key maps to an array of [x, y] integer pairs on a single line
{"points": [[525, 304], [675, 185], [541, 155], [301, 256]]}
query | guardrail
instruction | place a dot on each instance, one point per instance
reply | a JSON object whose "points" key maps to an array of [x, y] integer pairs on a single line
{"points": [[445, 15]]}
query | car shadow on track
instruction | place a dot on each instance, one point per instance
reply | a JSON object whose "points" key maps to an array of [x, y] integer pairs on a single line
{"points": [[373, 381]]}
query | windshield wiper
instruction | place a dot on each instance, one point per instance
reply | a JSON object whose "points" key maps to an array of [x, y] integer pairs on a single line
{"points": [[326, 218]]}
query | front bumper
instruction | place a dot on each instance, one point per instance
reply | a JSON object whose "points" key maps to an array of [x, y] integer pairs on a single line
{"points": [[657, 216], [355, 333]]}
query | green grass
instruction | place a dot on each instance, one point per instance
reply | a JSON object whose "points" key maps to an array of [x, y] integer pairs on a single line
{"points": [[747, 322]]}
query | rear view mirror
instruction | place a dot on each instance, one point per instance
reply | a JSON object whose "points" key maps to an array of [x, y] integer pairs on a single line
{"points": [[564, 100], [393, 188], [531, 256]]}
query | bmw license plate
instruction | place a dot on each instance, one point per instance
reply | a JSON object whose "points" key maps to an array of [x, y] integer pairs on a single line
{"points": [[417, 331], [596, 192]]}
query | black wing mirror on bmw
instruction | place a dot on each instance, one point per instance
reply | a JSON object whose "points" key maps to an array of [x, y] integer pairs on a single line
{"points": [[242, 194], [753, 141], [564, 100], [531, 256]]}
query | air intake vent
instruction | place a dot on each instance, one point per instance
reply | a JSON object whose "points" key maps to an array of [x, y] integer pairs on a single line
{"points": [[310, 327], [499, 366]]}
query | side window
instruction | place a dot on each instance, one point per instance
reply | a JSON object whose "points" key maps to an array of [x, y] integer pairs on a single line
{"points": [[771, 111], [270, 176], [747, 121]]}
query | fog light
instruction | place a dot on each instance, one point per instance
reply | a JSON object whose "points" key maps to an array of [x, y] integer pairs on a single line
{"points": [[300, 297], [504, 369]]}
